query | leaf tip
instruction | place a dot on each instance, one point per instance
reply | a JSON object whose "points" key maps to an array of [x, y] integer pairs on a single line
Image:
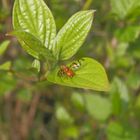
{"points": [[92, 11], [107, 86]]}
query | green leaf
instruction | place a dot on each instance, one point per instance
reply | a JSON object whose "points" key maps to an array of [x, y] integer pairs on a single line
{"points": [[124, 8], [116, 104], [128, 34], [7, 83], [97, 106], [119, 97], [3, 46], [63, 116], [90, 75], [134, 49], [5, 66], [72, 35], [121, 50], [35, 17], [71, 132], [122, 89], [77, 100], [116, 99], [137, 103], [24, 94], [36, 65], [133, 80], [117, 131], [33, 45]]}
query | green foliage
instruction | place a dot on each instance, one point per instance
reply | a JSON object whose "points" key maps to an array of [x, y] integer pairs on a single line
{"points": [[63, 116], [117, 131], [72, 35], [78, 101], [37, 40], [7, 83], [4, 46], [28, 94], [71, 132], [90, 75], [134, 80], [97, 106], [128, 34], [134, 49], [24, 94], [43, 24], [124, 8], [5, 66], [36, 65], [33, 45]]}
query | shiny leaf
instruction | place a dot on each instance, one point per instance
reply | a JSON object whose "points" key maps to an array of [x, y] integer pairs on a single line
{"points": [[35, 17], [33, 45], [72, 35], [90, 75]]}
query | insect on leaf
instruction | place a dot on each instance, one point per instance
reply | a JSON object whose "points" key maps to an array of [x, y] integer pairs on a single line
{"points": [[90, 75]]}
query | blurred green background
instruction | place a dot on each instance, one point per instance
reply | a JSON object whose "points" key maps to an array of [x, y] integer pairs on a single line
{"points": [[44, 111]]}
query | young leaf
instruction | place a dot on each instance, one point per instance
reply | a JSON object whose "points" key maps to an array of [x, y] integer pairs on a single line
{"points": [[90, 75], [4, 46], [32, 45], [35, 17], [72, 35]]}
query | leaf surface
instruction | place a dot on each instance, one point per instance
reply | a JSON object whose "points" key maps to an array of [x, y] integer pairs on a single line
{"points": [[3, 46], [33, 45], [5, 66], [90, 75], [124, 8], [72, 35], [97, 106], [35, 17]]}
